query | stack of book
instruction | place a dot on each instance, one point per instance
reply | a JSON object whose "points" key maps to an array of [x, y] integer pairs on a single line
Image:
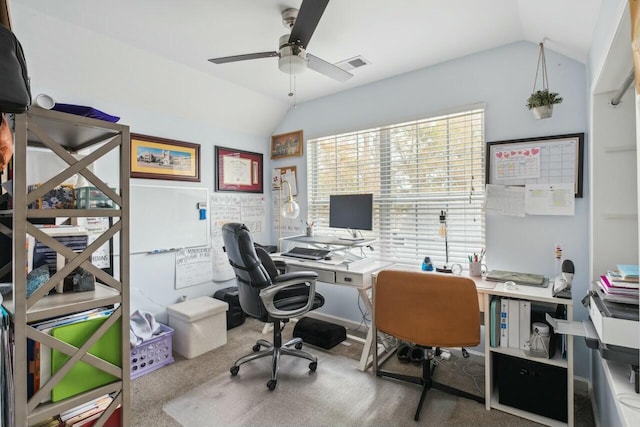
{"points": [[620, 286]]}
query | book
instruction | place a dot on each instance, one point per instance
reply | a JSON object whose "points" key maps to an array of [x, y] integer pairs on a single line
{"points": [[82, 409], [615, 276], [113, 421], [628, 271], [504, 326], [513, 323], [525, 325], [608, 288]]}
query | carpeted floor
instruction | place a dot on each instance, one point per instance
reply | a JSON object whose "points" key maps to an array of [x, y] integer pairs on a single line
{"points": [[201, 392]]}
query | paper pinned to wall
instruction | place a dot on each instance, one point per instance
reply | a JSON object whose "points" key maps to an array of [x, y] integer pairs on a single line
{"points": [[249, 209], [504, 200], [193, 267], [549, 199]]}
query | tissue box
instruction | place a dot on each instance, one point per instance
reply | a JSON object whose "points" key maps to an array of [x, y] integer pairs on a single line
{"points": [[199, 325]]}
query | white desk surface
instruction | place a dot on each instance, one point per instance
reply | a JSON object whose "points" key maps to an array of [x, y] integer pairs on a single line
{"points": [[497, 288]]}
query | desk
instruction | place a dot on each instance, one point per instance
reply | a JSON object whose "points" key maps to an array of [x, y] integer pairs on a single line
{"points": [[485, 291], [356, 274]]}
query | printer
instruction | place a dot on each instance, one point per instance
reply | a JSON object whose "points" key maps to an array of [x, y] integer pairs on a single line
{"points": [[612, 330]]}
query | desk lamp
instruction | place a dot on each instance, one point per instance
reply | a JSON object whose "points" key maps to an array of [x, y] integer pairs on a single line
{"points": [[290, 209], [442, 232]]}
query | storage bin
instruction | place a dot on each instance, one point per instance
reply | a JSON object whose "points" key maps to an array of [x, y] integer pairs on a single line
{"points": [[152, 354], [235, 315], [532, 386], [200, 325], [92, 198]]}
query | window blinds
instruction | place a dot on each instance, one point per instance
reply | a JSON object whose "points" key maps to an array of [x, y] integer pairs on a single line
{"points": [[415, 170]]}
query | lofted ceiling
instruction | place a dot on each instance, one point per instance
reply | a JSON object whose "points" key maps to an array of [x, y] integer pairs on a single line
{"points": [[395, 37]]}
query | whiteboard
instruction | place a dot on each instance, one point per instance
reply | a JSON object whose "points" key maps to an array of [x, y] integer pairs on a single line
{"points": [[167, 218]]}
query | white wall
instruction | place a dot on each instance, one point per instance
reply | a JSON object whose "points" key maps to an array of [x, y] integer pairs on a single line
{"points": [[154, 97], [502, 78]]}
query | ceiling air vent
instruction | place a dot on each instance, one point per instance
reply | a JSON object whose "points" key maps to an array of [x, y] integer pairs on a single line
{"points": [[353, 63]]}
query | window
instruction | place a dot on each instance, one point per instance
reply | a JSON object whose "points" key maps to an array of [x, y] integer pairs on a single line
{"points": [[415, 170]]}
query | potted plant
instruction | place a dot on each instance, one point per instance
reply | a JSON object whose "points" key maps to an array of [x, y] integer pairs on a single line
{"points": [[541, 102]]}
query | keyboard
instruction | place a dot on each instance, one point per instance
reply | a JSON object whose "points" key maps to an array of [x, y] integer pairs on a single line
{"points": [[307, 253]]}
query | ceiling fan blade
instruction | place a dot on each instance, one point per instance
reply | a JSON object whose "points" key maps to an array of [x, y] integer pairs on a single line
{"points": [[308, 17], [245, 57], [328, 69]]}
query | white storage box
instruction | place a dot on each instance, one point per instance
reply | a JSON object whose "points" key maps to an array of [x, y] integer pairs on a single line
{"points": [[199, 325]]}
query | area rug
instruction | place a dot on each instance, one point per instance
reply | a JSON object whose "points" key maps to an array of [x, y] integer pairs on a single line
{"points": [[337, 394]]}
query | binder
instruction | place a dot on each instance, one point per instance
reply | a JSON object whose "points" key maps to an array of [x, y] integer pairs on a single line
{"points": [[525, 325], [513, 323], [504, 327], [494, 322]]}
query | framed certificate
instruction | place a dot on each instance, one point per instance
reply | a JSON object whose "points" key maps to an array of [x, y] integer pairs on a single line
{"points": [[238, 170]]}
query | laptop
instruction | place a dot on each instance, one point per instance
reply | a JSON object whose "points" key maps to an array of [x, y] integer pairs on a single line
{"points": [[524, 279]]}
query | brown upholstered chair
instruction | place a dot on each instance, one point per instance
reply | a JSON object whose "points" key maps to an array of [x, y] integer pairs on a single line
{"points": [[430, 310]]}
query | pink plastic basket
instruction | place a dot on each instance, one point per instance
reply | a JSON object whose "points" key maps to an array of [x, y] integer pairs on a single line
{"points": [[152, 354]]}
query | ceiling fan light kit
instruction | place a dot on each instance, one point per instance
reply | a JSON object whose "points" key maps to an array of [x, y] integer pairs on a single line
{"points": [[293, 59]]}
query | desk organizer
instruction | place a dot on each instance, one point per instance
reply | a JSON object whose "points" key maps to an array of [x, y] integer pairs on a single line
{"points": [[152, 354]]}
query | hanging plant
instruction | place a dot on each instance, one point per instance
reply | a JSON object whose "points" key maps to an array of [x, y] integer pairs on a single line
{"points": [[541, 101]]}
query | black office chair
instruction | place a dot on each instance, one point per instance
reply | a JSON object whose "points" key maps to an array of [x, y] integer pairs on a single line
{"points": [[269, 297]]}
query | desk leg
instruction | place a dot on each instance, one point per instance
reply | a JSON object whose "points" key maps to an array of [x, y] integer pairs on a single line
{"points": [[366, 359]]}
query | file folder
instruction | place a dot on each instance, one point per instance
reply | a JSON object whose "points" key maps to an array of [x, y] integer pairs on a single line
{"points": [[82, 376]]}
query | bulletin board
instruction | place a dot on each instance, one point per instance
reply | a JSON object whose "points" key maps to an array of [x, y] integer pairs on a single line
{"points": [[167, 218], [544, 160]]}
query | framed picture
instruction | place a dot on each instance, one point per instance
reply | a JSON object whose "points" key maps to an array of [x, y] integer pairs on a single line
{"points": [[545, 160], [286, 145], [238, 170], [159, 158]]}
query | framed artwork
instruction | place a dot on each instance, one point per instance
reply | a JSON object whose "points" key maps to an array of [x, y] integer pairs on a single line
{"points": [[545, 160], [238, 170], [160, 158], [286, 145]]}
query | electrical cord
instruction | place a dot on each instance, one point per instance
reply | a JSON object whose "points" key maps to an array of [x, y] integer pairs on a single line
{"points": [[467, 368]]}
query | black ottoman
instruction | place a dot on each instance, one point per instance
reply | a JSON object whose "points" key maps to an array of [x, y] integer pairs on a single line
{"points": [[319, 333]]}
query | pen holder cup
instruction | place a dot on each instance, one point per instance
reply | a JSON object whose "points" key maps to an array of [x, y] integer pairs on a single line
{"points": [[477, 269], [310, 231]]}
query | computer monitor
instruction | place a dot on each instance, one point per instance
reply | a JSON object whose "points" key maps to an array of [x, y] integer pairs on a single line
{"points": [[351, 211]]}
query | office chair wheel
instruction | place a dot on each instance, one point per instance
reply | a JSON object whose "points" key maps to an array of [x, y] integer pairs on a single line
{"points": [[271, 384], [256, 348], [234, 370], [313, 366], [299, 346]]}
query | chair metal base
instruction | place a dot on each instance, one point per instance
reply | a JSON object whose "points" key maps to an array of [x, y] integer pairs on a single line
{"points": [[427, 382], [264, 348]]}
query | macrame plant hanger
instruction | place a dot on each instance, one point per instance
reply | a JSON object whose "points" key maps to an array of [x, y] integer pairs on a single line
{"points": [[542, 64], [544, 111]]}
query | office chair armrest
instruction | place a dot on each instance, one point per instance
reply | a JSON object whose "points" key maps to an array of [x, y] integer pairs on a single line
{"points": [[301, 276], [268, 294]]}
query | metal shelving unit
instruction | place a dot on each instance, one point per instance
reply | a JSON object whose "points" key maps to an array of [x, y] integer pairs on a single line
{"points": [[64, 134]]}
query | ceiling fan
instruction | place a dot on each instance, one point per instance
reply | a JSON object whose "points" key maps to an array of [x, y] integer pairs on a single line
{"points": [[292, 54]]}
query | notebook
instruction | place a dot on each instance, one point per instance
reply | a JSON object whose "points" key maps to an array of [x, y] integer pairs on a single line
{"points": [[525, 279]]}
